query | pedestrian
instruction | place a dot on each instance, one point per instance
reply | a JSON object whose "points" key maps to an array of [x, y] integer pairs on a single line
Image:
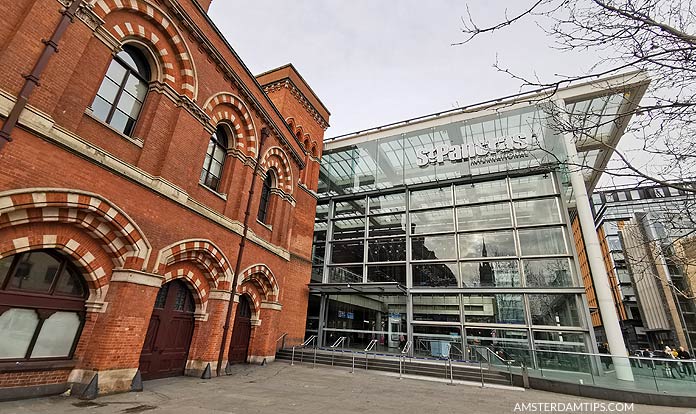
{"points": [[647, 353], [685, 358], [604, 349]]}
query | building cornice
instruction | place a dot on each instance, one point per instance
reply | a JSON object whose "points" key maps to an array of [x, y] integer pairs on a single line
{"points": [[297, 93]]}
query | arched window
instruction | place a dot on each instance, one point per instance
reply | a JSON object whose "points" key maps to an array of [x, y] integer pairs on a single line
{"points": [[42, 305], [265, 197], [214, 159], [122, 92]]}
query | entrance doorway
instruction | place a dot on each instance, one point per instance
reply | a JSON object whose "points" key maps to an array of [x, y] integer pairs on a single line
{"points": [[169, 333], [241, 332]]}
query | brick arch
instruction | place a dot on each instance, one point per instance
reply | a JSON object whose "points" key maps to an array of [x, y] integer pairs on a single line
{"points": [[314, 149], [177, 64], [225, 106], [195, 280], [253, 293], [276, 159], [204, 253], [263, 279], [90, 259], [118, 234]]}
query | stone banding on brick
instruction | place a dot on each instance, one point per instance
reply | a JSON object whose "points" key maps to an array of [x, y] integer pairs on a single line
{"points": [[227, 107], [262, 277], [114, 229], [204, 254], [275, 158]]}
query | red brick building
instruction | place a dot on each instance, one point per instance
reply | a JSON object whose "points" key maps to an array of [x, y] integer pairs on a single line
{"points": [[123, 190]]}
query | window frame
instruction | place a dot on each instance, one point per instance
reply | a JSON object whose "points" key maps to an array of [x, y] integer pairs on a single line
{"points": [[45, 304], [222, 144], [265, 200], [138, 57]]}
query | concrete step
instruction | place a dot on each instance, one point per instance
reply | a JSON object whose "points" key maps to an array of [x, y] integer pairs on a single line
{"points": [[429, 368]]}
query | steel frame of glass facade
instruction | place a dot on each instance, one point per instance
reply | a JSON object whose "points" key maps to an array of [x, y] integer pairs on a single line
{"points": [[528, 293]]}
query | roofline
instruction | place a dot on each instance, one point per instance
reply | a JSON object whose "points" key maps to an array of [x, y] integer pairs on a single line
{"points": [[290, 65], [641, 77]]}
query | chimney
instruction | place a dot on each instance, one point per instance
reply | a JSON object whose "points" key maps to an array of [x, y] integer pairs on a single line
{"points": [[205, 4]]}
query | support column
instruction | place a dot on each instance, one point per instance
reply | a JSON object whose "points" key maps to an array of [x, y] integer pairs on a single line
{"points": [[207, 335], [263, 346], [595, 259]]}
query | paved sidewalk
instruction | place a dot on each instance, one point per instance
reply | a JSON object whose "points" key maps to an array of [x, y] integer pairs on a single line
{"points": [[281, 388]]}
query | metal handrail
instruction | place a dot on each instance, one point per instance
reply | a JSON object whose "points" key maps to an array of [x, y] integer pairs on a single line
{"points": [[339, 342], [310, 340], [407, 348], [404, 353], [283, 343], [369, 348]]}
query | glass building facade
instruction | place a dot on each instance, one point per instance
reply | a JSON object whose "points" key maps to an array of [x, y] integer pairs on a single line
{"points": [[452, 232]]}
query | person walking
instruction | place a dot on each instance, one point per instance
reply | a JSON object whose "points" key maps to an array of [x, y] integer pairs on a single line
{"points": [[685, 358]]}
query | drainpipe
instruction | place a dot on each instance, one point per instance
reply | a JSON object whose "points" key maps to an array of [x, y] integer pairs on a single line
{"points": [[32, 80], [595, 259], [242, 243]]}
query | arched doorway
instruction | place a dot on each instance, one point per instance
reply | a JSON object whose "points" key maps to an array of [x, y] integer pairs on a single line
{"points": [[239, 345], [169, 334]]}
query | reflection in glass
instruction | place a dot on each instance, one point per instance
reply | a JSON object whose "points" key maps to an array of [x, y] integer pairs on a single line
{"points": [[542, 241], [435, 275], [352, 228], [345, 274], [390, 162], [435, 307], [17, 327], [490, 244], [387, 273], [57, 335], [481, 192], [317, 273], [559, 341], [508, 344], [432, 221], [437, 341], [483, 217], [433, 247], [318, 250], [349, 208], [35, 272], [548, 273], [532, 186], [389, 203], [347, 252], [433, 197], [386, 249], [543, 211], [554, 310], [387, 225], [493, 308], [496, 273]]}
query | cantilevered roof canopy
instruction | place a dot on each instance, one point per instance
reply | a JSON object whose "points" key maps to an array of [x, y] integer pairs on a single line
{"points": [[364, 288], [385, 156]]}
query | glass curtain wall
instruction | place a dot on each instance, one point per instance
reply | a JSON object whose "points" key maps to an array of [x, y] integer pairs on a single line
{"points": [[486, 264]]}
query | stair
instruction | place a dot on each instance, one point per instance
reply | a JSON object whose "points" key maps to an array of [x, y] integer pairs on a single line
{"points": [[432, 368]]}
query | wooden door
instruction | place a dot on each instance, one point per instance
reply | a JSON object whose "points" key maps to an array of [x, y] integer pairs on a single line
{"points": [[239, 345], [169, 333]]}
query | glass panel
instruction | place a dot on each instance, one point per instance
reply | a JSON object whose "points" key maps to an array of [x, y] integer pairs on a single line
{"points": [[434, 197], [548, 273], [532, 186], [322, 212], [347, 252], [317, 274], [481, 192], [490, 244], [544, 211], [116, 72], [554, 310], [129, 105], [386, 250], [161, 298], [57, 335], [389, 273], [490, 308], [120, 121], [346, 274], [17, 327], [318, 250], [435, 307], [100, 108], [433, 247], [437, 341], [387, 225], [432, 221], [484, 217], [35, 272], [559, 341], [390, 162], [69, 284], [5, 264], [136, 88], [507, 344], [542, 241], [108, 90], [353, 228], [354, 207], [500, 273], [435, 275], [389, 203]]}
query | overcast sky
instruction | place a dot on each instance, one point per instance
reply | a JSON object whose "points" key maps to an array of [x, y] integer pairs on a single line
{"points": [[374, 62]]}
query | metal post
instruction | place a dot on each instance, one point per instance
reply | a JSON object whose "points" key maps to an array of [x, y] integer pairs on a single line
{"points": [[366, 353], [481, 370], [292, 359], [400, 358], [314, 363], [451, 373], [352, 368], [595, 259]]}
